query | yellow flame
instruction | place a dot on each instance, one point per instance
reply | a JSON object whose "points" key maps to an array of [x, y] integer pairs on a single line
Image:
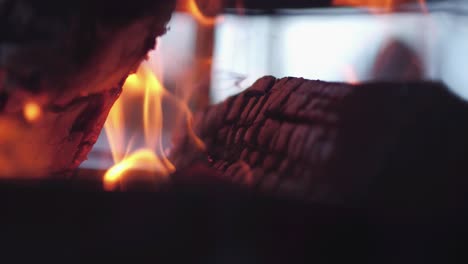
{"points": [[142, 89], [201, 18], [32, 111], [144, 159], [132, 82], [151, 157]]}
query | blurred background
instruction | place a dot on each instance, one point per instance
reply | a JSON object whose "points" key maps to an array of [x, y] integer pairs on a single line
{"points": [[327, 43], [208, 57]]}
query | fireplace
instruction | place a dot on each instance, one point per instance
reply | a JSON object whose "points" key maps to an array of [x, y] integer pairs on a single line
{"points": [[255, 131]]}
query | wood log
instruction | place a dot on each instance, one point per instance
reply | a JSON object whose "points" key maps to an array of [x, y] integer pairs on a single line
{"points": [[333, 142], [70, 58]]}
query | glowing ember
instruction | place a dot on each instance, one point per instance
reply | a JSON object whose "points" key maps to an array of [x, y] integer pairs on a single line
{"points": [[32, 111], [142, 88]]}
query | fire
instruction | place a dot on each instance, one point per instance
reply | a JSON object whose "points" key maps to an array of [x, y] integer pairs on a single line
{"points": [[140, 89], [32, 111], [380, 5], [195, 10], [145, 159]]}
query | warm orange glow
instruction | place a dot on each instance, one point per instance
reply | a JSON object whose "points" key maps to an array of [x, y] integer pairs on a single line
{"points": [[144, 159], [201, 18], [32, 111], [143, 149], [380, 5], [151, 158], [132, 82]]}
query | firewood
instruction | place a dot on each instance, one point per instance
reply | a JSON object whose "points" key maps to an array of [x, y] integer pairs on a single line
{"points": [[70, 59], [331, 141]]}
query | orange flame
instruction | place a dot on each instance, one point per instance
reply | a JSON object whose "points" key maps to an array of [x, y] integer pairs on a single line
{"points": [[143, 159], [194, 9], [380, 5], [32, 111], [142, 89], [151, 157]]}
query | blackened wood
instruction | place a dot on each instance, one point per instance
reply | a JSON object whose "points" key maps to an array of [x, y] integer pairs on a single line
{"points": [[76, 47], [335, 142], [70, 58]]}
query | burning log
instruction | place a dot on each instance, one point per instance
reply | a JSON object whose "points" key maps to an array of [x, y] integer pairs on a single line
{"points": [[335, 142], [63, 63]]}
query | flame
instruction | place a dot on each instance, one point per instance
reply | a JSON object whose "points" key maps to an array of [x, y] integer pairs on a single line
{"points": [[194, 9], [144, 159], [32, 111], [151, 157], [380, 5]]}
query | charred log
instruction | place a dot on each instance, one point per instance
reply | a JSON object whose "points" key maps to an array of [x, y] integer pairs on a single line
{"points": [[332, 141], [70, 58]]}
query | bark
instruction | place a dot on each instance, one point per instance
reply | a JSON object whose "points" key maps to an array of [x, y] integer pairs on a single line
{"points": [[71, 58], [335, 142]]}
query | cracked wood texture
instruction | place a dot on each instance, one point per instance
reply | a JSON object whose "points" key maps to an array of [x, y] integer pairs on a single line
{"points": [[335, 142], [70, 58]]}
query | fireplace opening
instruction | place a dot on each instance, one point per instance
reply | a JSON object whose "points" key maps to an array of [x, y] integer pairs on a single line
{"points": [[234, 131]]}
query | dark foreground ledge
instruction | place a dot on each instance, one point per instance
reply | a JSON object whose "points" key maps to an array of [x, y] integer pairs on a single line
{"points": [[60, 222]]}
